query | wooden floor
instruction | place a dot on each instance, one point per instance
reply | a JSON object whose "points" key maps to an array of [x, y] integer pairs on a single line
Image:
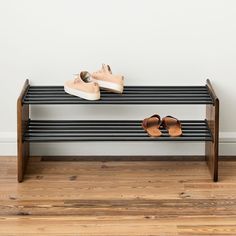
{"points": [[117, 198]]}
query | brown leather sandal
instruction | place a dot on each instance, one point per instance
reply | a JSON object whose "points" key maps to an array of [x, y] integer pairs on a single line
{"points": [[152, 125], [173, 126]]}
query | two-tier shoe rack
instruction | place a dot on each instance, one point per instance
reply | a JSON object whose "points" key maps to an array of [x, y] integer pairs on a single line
{"points": [[28, 130]]}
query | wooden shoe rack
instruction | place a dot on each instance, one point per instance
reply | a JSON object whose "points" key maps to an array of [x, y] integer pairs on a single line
{"points": [[28, 130]]}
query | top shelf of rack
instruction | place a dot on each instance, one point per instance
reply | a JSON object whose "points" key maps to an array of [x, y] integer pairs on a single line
{"points": [[39, 95]]}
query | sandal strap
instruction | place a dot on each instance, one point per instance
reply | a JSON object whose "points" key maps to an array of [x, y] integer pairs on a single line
{"points": [[145, 121], [164, 123]]}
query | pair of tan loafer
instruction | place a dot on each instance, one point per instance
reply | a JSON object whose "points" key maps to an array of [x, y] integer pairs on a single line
{"points": [[153, 124], [87, 86]]}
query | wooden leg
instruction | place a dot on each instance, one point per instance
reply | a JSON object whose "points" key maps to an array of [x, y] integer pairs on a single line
{"points": [[22, 147], [211, 149]]}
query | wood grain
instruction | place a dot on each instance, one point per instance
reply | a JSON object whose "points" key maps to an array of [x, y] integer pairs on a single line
{"points": [[22, 120], [117, 198], [212, 148]]}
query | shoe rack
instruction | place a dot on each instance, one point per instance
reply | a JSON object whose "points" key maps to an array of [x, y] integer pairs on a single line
{"points": [[29, 131]]}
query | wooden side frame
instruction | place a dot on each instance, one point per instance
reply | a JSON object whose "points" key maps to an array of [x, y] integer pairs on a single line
{"points": [[22, 120], [212, 118]]}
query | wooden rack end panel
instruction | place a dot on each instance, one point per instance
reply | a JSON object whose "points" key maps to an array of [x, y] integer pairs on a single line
{"points": [[22, 123], [212, 148]]}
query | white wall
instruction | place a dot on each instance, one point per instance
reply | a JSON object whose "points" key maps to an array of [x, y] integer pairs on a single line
{"points": [[151, 42]]}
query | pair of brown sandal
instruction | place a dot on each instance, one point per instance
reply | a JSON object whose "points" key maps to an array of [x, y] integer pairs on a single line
{"points": [[153, 124]]}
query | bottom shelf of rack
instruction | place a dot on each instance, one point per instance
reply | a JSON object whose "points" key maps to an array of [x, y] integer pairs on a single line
{"points": [[108, 130]]}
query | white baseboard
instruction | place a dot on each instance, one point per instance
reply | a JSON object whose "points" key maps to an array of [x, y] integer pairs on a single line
{"points": [[8, 144], [8, 147]]}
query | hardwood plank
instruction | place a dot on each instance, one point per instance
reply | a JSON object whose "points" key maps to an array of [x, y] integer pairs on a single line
{"points": [[117, 198]]}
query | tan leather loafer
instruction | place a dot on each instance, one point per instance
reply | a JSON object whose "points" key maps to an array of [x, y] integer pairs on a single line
{"points": [[107, 80], [82, 86]]}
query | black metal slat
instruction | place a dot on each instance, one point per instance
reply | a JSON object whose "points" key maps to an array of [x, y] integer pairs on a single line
{"points": [[121, 96], [108, 121], [130, 89], [117, 103], [32, 132], [149, 91], [115, 95], [126, 90], [94, 126], [83, 139], [41, 126], [112, 133], [109, 134], [127, 87], [143, 95]]}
